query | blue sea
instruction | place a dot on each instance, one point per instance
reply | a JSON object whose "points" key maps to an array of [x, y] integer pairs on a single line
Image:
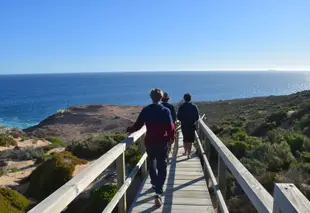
{"points": [[27, 99]]}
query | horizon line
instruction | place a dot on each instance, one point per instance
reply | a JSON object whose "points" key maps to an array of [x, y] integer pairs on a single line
{"points": [[152, 71]]}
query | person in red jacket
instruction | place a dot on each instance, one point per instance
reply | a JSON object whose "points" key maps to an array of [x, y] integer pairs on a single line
{"points": [[160, 132]]}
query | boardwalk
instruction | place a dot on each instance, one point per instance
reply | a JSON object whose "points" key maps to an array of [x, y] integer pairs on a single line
{"points": [[185, 189]]}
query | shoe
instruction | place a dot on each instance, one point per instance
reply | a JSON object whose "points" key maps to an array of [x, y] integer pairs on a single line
{"points": [[189, 156], [158, 201], [184, 153]]}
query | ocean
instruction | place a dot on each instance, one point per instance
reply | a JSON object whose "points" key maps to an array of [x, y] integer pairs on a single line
{"points": [[27, 99]]}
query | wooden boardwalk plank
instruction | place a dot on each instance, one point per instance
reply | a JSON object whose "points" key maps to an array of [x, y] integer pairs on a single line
{"points": [[185, 189]]}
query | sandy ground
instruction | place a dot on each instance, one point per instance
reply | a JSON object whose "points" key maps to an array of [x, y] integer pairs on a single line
{"points": [[31, 143], [12, 179]]}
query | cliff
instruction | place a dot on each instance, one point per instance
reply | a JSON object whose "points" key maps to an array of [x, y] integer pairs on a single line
{"points": [[79, 122]]}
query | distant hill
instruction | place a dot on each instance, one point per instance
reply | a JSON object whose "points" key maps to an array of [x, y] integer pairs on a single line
{"points": [[79, 122]]}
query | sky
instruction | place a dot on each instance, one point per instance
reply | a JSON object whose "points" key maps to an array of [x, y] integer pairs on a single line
{"points": [[153, 35]]}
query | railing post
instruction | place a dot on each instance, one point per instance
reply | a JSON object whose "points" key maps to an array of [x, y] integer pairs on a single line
{"points": [[144, 165], [288, 199], [222, 174], [121, 177]]}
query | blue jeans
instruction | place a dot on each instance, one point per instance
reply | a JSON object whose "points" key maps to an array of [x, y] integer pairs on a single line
{"points": [[157, 160]]}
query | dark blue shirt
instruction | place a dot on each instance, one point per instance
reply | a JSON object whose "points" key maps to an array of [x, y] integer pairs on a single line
{"points": [[172, 111], [159, 124], [188, 114]]}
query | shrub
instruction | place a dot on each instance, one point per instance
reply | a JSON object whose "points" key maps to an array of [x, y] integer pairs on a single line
{"points": [[253, 142], [12, 202], [14, 169], [98, 200], [100, 197], [276, 135], [17, 133], [238, 148], [305, 121], [133, 155], [263, 129], [277, 117], [254, 166], [52, 174], [96, 146], [7, 140], [239, 204], [275, 156], [21, 154], [268, 180], [56, 141], [296, 141], [2, 171], [304, 167], [305, 157], [42, 158]]}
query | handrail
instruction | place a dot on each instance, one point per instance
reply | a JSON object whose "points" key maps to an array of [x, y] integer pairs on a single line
{"points": [[260, 198], [288, 199], [59, 200], [216, 188]]}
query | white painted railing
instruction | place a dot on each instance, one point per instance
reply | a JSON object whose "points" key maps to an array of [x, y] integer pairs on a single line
{"points": [[287, 198], [59, 200]]}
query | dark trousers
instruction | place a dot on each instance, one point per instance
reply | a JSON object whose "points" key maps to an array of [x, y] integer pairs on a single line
{"points": [[157, 160]]}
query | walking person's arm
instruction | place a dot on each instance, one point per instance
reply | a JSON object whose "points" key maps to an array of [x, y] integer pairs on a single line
{"points": [[138, 124], [173, 114], [196, 114], [170, 127], [180, 114]]}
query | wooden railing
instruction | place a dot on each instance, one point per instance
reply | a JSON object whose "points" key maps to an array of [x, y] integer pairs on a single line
{"points": [[287, 198], [59, 200]]}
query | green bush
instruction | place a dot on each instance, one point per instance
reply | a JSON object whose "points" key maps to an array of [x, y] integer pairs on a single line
{"points": [[305, 121], [254, 166], [238, 148], [52, 174], [21, 154], [304, 167], [14, 169], [276, 157], [132, 155], [12, 202], [253, 142], [102, 196], [96, 146], [56, 141], [268, 180], [2, 171], [296, 141], [98, 200], [277, 117], [263, 129], [42, 158], [7, 140], [305, 157], [276, 135]]}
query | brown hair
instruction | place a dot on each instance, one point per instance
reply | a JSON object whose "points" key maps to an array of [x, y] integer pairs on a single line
{"points": [[156, 95]]}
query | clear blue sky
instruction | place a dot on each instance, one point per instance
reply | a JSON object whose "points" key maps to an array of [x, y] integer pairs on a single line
{"points": [[143, 35]]}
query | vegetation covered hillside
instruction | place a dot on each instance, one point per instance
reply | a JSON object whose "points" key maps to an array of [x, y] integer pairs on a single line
{"points": [[269, 135]]}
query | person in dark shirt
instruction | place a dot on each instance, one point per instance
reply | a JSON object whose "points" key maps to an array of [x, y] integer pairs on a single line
{"points": [[160, 131], [188, 115], [165, 103]]}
